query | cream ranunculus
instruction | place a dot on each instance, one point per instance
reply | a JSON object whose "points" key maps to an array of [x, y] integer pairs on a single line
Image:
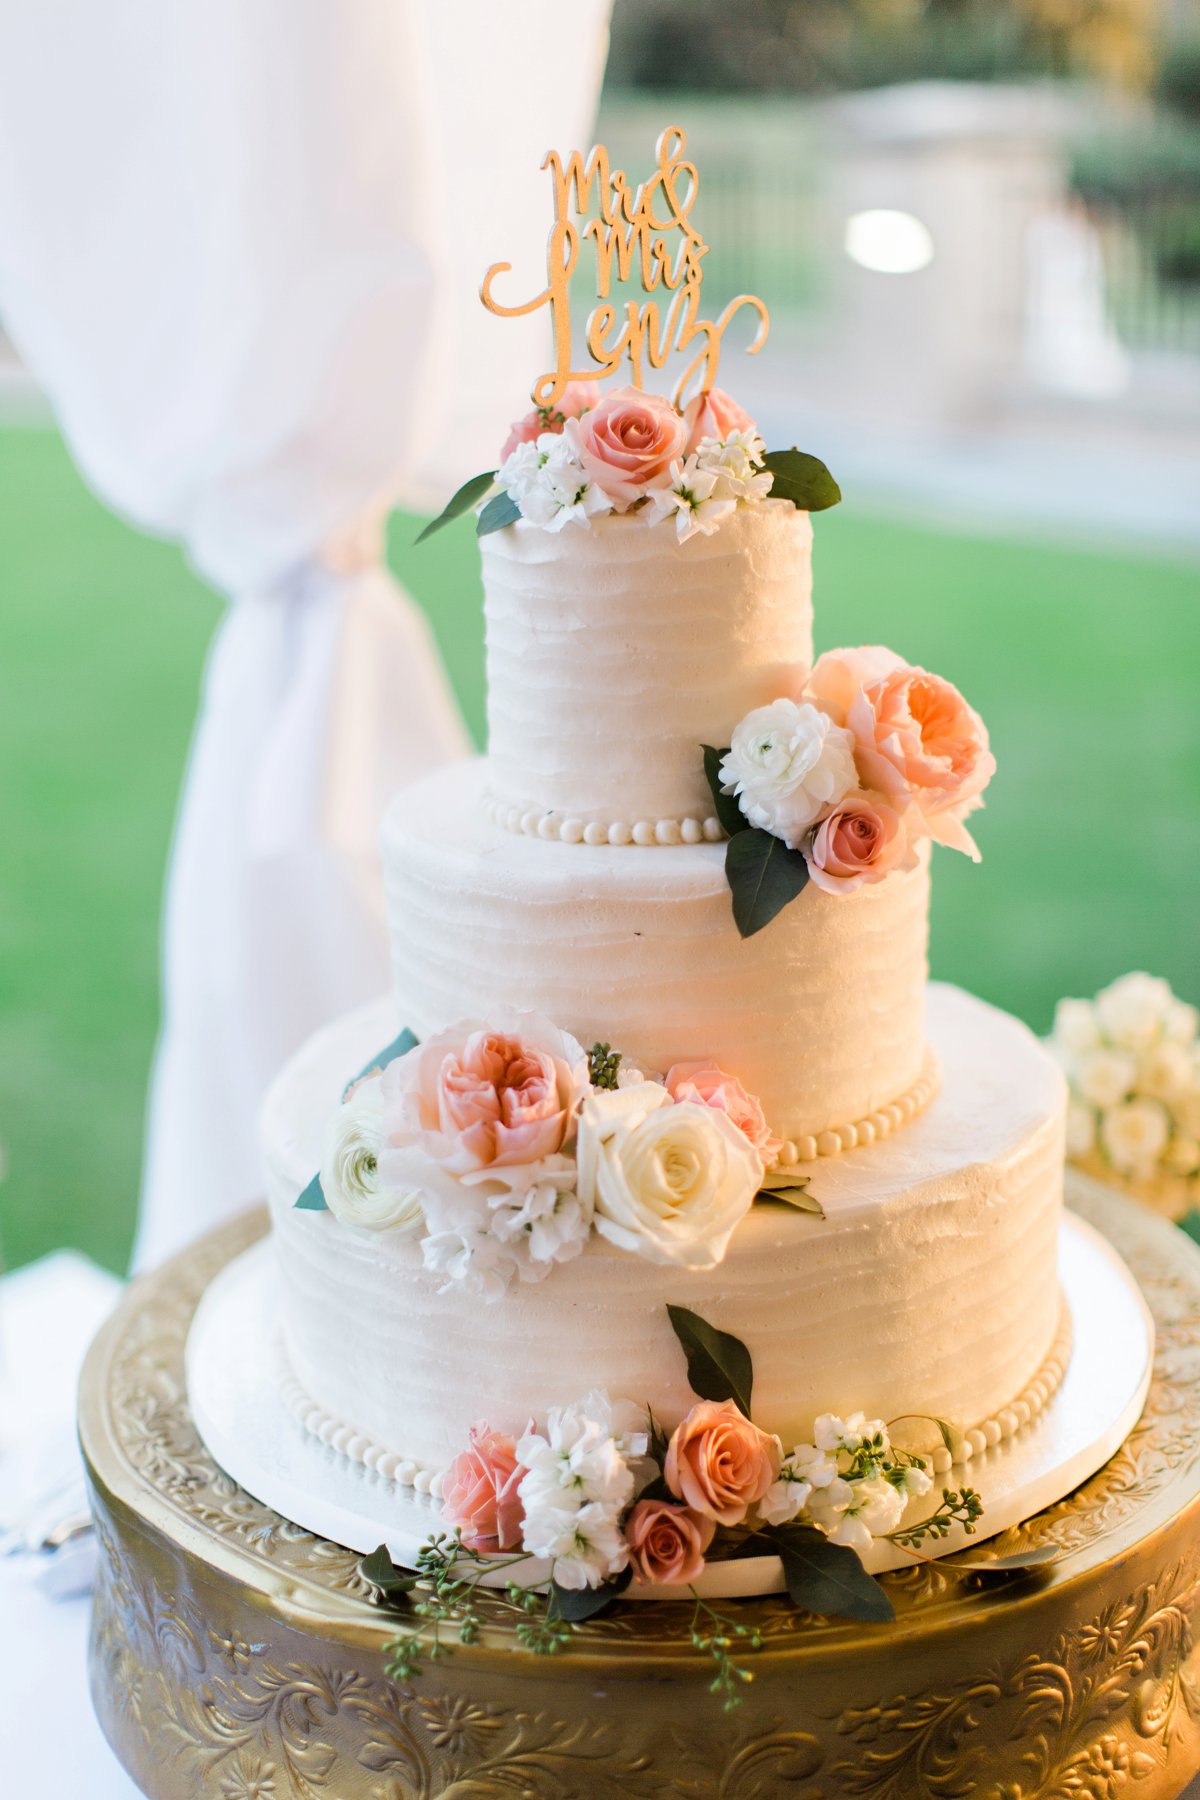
{"points": [[1081, 1128], [787, 762], [354, 1188], [1134, 1136], [1076, 1027], [1164, 1072], [669, 1180]]}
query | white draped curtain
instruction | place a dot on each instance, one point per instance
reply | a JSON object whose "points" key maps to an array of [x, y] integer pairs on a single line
{"points": [[240, 247]]}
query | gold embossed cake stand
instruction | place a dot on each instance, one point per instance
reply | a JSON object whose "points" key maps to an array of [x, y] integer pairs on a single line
{"points": [[238, 1657]]}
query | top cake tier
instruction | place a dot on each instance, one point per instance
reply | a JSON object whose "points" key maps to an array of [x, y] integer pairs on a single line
{"points": [[614, 653]]}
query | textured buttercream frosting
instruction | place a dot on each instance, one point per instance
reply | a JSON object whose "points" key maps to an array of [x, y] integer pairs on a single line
{"points": [[930, 1286], [615, 652], [819, 1014]]}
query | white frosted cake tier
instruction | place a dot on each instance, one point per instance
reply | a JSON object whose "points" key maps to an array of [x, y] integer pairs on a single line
{"points": [[615, 652], [820, 1014], [931, 1285]]}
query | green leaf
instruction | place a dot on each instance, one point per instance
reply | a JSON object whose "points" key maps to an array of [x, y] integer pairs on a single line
{"points": [[576, 1604], [827, 1578], [724, 805], [802, 479], [719, 1365], [501, 510], [468, 495], [1190, 1224], [391, 1584], [795, 1197], [399, 1046], [763, 875], [312, 1199]]}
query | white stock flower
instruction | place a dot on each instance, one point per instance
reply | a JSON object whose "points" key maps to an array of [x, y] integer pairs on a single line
{"points": [[916, 1483], [669, 1180], [548, 482], [874, 1508], [737, 460], [1164, 1072], [1134, 1135], [545, 1223], [1081, 1128], [1133, 1010], [355, 1190], [696, 499], [786, 763], [1102, 1077], [578, 1482], [1076, 1027], [470, 1259], [827, 1504], [833, 1434]]}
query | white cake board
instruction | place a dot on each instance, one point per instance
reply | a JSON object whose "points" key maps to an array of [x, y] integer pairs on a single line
{"points": [[235, 1373]]}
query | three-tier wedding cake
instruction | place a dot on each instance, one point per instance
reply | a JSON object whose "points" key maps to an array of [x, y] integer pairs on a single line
{"points": [[667, 1038]]}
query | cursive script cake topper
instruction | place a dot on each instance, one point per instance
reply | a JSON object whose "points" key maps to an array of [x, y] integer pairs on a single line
{"points": [[647, 235]]}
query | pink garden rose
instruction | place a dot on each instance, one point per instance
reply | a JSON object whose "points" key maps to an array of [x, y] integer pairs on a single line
{"points": [[479, 1492], [667, 1542], [719, 1464], [915, 736], [708, 1085], [859, 840], [714, 414], [628, 443], [575, 399], [485, 1099]]}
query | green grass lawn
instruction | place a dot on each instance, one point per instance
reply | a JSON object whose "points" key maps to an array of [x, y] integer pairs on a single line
{"points": [[1084, 664]]}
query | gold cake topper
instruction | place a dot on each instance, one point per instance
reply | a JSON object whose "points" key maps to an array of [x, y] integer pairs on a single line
{"points": [[648, 236]]}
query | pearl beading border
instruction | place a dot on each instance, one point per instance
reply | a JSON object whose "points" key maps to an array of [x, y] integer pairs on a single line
{"points": [[394, 1466], [565, 828], [869, 1130]]}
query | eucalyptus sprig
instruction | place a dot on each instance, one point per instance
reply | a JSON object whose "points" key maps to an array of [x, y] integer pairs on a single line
{"points": [[720, 1637], [955, 1508]]}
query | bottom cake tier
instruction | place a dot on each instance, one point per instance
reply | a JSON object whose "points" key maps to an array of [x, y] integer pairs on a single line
{"points": [[929, 1287]]}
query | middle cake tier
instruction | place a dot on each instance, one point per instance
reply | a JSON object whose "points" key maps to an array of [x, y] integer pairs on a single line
{"points": [[819, 1015]]}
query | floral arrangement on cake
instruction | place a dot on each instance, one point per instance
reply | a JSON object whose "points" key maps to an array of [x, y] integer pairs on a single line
{"points": [[602, 1497], [633, 452], [504, 1145], [839, 782], [1132, 1058]]}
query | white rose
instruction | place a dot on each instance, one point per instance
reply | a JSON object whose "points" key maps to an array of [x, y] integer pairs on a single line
{"points": [[1164, 1072], [787, 762], [1133, 1010], [1134, 1135], [354, 1188], [1103, 1077], [1076, 1027], [1081, 1128], [1181, 1023], [669, 1180], [1182, 1156]]}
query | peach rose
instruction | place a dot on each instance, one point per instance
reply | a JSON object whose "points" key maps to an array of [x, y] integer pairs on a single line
{"points": [[708, 1085], [715, 415], [628, 443], [860, 840], [719, 1463], [667, 1542], [483, 1099], [479, 1492], [575, 399], [915, 736]]}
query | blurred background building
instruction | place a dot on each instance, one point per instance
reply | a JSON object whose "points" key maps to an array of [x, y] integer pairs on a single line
{"points": [[977, 226]]}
